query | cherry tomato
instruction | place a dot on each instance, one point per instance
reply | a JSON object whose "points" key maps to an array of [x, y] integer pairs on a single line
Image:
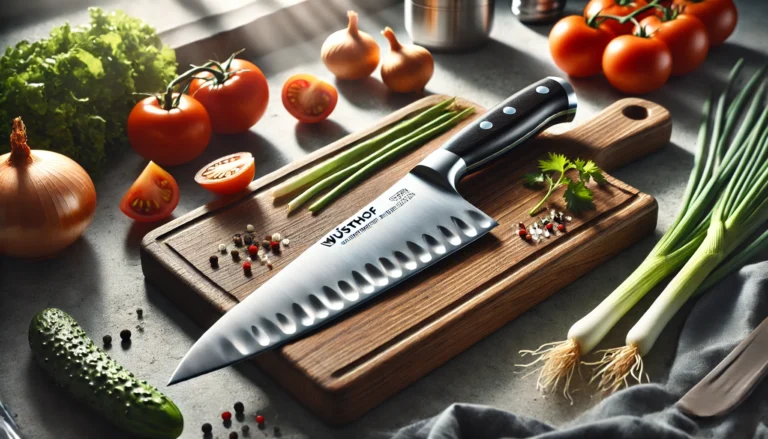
{"points": [[228, 174], [309, 99], [576, 47], [685, 37], [169, 137], [238, 102], [637, 65], [152, 197], [619, 8], [718, 16]]}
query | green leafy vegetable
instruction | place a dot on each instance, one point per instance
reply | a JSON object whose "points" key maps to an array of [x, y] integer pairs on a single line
{"points": [[577, 195], [75, 89]]}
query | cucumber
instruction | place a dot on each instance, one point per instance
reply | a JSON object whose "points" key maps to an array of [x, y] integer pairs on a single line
{"points": [[75, 363]]}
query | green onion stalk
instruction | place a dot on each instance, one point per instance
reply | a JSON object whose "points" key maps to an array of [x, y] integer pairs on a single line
{"points": [[719, 157]]}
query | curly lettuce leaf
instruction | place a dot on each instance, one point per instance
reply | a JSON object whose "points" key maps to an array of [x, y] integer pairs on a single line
{"points": [[74, 90]]}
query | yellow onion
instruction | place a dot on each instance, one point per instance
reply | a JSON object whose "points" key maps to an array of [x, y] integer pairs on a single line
{"points": [[406, 68], [46, 199], [350, 53]]}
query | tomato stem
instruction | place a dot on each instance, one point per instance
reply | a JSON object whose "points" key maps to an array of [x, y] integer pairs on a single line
{"points": [[631, 16]]}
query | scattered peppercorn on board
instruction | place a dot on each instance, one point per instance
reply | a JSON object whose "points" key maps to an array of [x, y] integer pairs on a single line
{"points": [[344, 369]]}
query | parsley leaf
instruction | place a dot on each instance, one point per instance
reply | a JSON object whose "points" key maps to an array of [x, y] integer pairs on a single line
{"points": [[589, 170], [533, 180], [577, 196], [555, 163]]}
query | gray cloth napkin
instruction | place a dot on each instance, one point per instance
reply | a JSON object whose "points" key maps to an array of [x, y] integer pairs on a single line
{"points": [[719, 321]]}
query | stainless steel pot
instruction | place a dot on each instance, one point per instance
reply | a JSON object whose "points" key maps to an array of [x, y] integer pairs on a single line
{"points": [[538, 11], [449, 25]]}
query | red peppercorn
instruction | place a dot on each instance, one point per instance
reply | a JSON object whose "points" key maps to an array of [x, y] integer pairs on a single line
{"points": [[522, 233], [528, 237], [260, 419], [561, 228], [252, 250], [226, 416], [549, 226], [275, 246], [269, 265]]}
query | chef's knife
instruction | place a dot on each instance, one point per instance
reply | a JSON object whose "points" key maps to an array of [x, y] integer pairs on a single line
{"points": [[732, 381], [417, 222]]}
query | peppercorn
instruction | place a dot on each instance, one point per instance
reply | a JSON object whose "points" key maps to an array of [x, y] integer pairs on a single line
{"points": [[276, 430], [268, 237], [521, 226], [235, 255], [561, 228], [269, 265], [125, 334], [239, 407], [276, 237], [253, 250], [226, 416], [247, 267], [549, 226], [266, 244], [286, 242], [107, 339], [233, 435], [259, 419], [237, 239], [207, 428], [528, 238], [249, 228], [223, 248], [248, 239], [522, 233], [275, 246], [214, 261], [139, 312], [245, 429]]}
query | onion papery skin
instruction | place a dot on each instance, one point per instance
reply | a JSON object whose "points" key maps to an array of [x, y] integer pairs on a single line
{"points": [[46, 203], [406, 68], [350, 54]]}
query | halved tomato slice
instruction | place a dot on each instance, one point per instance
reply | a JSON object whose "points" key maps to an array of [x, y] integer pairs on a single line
{"points": [[152, 197], [309, 99], [228, 174]]}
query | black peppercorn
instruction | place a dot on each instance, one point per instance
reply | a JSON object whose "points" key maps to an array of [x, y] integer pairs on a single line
{"points": [[125, 334], [246, 429], [235, 255], [214, 261], [207, 428], [237, 239], [239, 407], [107, 340], [248, 239], [139, 312], [266, 244], [233, 435]]}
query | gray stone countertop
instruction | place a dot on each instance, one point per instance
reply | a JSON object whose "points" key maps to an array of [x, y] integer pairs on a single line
{"points": [[99, 280]]}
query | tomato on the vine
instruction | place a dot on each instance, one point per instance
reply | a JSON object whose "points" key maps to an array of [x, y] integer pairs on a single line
{"points": [[227, 175], [235, 99], [577, 45], [685, 37], [637, 65], [169, 136], [309, 99], [619, 8], [152, 197], [718, 16]]}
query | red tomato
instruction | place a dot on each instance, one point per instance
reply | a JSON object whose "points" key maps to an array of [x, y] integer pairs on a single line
{"points": [[686, 38], [637, 65], [228, 174], [718, 16], [619, 8], [238, 102], [309, 99], [169, 137], [576, 47], [152, 197]]}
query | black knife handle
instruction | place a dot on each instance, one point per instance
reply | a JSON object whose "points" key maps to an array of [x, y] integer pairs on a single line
{"points": [[513, 121]]}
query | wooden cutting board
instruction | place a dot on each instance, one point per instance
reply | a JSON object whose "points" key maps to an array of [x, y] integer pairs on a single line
{"points": [[343, 370]]}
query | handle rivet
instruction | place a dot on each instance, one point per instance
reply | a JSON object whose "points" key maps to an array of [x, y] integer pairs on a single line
{"points": [[486, 125], [542, 90], [509, 110]]}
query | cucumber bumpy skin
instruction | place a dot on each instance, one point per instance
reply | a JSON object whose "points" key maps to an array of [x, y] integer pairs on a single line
{"points": [[74, 362]]}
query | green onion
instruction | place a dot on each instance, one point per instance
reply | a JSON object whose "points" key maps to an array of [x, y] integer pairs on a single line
{"points": [[351, 155], [349, 170], [388, 156], [703, 232]]}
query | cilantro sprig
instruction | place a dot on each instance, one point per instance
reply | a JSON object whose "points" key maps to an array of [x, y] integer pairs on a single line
{"points": [[577, 195]]}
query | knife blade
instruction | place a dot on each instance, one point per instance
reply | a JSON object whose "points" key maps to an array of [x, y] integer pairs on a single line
{"points": [[417, 222], [731, 381]]}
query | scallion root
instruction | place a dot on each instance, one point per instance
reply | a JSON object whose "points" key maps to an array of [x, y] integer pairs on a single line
{"points": [[560, 360], [616, 366]]}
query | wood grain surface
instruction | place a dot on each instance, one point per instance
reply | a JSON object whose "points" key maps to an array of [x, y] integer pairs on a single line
{"points": [[343, 370]]}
